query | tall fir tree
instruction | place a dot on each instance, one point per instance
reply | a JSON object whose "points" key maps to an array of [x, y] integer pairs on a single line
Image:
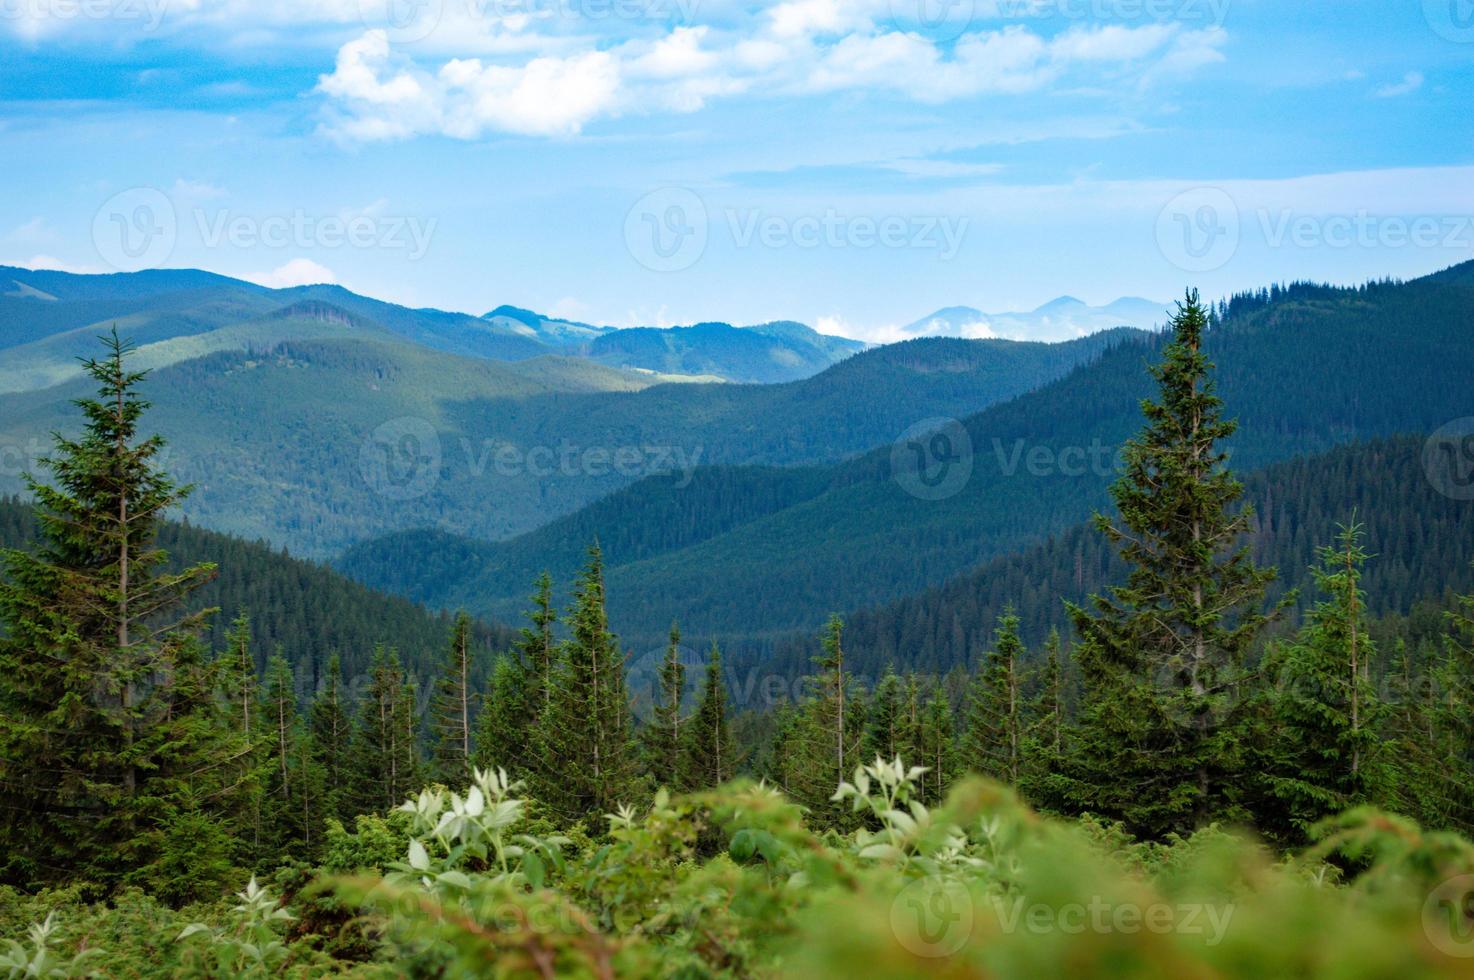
{"points": [[1162, 656], [994, 741], [889, 720], [826, 737], [935, 747], [1044, 739], [1452, 719], [502, 726], [662, 736], [586, 759], [293, 785], [331, 742], [454, 709], [710, 753], [384, 759], [110, 718], [1327, 744]]}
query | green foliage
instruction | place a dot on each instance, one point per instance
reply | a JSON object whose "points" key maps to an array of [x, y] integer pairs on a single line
{"points": [[1164, 654]]}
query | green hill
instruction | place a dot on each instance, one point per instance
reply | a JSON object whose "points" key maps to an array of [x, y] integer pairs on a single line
{"points": [[285, 424], [1304, 368], [306, 609]]}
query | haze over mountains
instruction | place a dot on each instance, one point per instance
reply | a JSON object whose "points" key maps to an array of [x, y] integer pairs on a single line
{"points": [[451, 458], [1060, 319], [1304, 369], [312, 393]]}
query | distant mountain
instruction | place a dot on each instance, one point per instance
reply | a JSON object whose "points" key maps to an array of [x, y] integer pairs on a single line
{"points": [[1304, 368], [48, 318], [314, 418], [764, 354], [1060, 319]]}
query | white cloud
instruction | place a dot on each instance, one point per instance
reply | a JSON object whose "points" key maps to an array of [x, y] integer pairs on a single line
{"points": [[297, 272], [376, 92], [53, 264], [1410, 83]]}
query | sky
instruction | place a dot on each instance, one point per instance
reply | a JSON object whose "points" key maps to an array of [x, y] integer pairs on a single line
{"points": [[852, 164]]}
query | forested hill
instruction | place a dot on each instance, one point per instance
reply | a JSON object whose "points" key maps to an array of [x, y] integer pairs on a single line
{"points": [[1421, 542], [307, 610], [1303, 368]]}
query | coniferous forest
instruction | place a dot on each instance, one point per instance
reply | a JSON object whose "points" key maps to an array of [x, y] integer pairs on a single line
{"points": [[1195, 739]]}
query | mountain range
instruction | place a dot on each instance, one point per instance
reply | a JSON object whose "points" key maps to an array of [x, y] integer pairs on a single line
{"points": [[1304, 369], [1060, 319], [367, 418]]}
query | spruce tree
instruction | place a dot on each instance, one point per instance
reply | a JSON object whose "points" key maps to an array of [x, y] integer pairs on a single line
{"points": [[1044, 739], [935, 749], [88, 692], [502, 727], [1326, 710], [662, 735], [331, 741], [586, 758], [384, 755], [1162, 656], [824, 742], [454, 708], [1452, 719], [994, 742], [887, 733], [537, 650], [710, 754], [293, 785]]}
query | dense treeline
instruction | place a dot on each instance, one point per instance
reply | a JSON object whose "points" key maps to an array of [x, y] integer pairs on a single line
{"points": [[303, 609], [1422, 544]]}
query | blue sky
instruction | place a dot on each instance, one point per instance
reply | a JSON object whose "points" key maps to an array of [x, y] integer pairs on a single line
{"points": [[854, 165]]}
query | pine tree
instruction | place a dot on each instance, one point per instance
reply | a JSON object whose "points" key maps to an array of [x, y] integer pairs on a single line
{"points": [[586, 758], [1044, 740], [935, 748], [994, 742], [501, 729], [293, 787], [887, 733], [87, 690], [537, 651], [828, 732], [662, 735], [384, 755], [1325, 707], [710, 755], [331, 741], [1452, 717], [1162, 656], [454, 710]]}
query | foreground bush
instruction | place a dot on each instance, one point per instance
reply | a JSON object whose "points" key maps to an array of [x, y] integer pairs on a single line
{"points": [[734, 883]]}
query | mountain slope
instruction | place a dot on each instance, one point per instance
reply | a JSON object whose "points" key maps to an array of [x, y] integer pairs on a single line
{"points": [[495, 449], [1422, 542], [1304, 369], [306, 609]]}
